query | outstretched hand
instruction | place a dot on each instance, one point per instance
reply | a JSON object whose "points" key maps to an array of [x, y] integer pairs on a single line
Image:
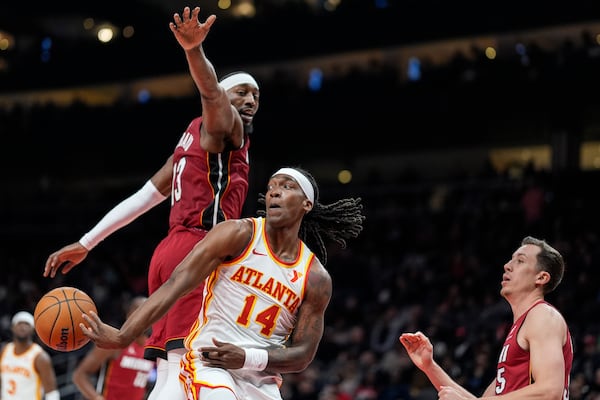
{"points": [[419, 348], [188, 30], [67, 257], [103, 335]]}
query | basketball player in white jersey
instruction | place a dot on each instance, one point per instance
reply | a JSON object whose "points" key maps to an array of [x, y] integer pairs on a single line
{"points": [[26, 370], [265, 294]]}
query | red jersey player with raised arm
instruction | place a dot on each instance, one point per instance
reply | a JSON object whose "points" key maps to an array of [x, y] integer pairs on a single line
{"points": [[207, 179]]}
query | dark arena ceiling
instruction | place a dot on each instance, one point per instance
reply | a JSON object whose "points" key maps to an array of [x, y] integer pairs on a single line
{"points": [[50, 46]]}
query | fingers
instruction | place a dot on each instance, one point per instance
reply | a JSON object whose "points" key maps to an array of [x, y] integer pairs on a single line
{"points": [[49, 268], [177, 19], [214, 359], [209, 21], [92, 317], [408, 337], [86, 331], [52, 266], [91, 329], [405, 342], [411, 340], [66, 267], [210, 355], [93, 321]]}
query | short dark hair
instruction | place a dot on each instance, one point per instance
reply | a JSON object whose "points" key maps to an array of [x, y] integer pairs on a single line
{"points": [[548, 259]]}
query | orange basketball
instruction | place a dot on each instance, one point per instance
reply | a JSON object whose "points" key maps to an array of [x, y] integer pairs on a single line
{"points": [[57, 316]]}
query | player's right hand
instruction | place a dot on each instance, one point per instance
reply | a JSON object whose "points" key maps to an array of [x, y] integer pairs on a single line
{"points": [[67, 258]]}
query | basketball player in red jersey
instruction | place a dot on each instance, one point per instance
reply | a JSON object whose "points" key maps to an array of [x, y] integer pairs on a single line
{"points": [[120, 374], [537, 355], [207, 180]]}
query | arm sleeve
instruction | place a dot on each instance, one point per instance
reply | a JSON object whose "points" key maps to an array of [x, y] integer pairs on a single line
{"points": [[122, 214]]}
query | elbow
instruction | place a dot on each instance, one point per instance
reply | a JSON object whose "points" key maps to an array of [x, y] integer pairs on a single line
{"points": [[556, 393], [295, 369], [551, 392], [77, 378], [300, 368], [301, 364]]}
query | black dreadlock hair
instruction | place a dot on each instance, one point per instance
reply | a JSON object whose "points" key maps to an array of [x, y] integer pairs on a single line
{"points": [[339, 221]]}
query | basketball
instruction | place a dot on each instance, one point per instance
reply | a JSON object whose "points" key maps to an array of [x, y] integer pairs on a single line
{"points": [[57, 316]]}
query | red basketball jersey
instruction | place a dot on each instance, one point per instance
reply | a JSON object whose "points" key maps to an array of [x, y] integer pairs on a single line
{"points": [[514, 369], [126, 377], [207, 188]]}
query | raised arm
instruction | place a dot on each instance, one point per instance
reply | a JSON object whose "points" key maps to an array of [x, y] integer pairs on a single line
{"points": [[420, 350], [221, 123]]}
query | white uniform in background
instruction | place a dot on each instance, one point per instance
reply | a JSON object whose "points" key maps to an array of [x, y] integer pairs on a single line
{"points": [[20, 380]]}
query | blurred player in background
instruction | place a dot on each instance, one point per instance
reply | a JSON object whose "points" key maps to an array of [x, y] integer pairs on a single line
{"points": [[120, 374], [26, 370]]}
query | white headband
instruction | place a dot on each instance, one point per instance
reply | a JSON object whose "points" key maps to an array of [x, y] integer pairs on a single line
{"points": [[302, 180], [239, 78], [22, 316]]}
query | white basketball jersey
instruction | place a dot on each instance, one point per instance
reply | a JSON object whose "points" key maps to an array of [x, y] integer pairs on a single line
{"points": [[20, 380], [253, 300]]}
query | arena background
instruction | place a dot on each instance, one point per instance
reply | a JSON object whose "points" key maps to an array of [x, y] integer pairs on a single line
{"points": [[464, 127]]}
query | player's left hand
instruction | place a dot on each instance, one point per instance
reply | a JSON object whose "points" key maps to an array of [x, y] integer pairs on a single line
{"points": [[223, 355]]}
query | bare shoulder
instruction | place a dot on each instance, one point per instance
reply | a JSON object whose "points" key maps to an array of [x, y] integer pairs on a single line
{"points": [[228, 238], [317, 270], [545, 319], [319, 281], [43, 357], [546, 312], [240, 226]]}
